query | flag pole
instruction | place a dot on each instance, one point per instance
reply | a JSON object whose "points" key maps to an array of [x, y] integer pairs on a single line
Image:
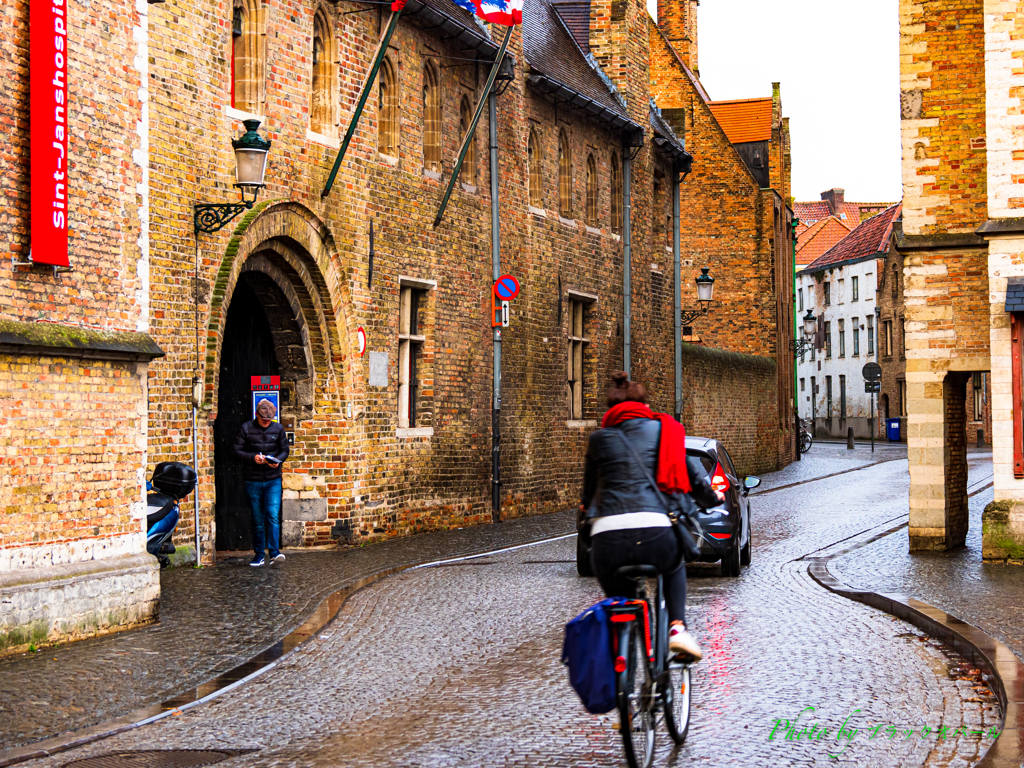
{"points": [[472, 126], [378, 58]]}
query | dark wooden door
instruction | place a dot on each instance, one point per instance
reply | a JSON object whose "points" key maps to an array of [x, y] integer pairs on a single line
{"points": [[248, 350]]}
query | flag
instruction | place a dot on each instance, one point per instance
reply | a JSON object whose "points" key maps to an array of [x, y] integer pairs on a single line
{"points": [[506, 12]]}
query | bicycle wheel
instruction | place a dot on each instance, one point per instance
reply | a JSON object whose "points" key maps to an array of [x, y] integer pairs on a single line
{"points": [[636, 710], [805, 442], [676, 698]]}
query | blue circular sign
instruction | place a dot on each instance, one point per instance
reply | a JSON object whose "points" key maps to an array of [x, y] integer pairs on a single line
{"points": [[507, 287]]}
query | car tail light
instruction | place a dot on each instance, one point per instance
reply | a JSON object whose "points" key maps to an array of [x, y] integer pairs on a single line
{"points": [[722, 535], [718, 480]]}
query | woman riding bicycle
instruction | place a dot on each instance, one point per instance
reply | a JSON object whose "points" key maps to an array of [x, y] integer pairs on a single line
{"points": [[629, 525]]}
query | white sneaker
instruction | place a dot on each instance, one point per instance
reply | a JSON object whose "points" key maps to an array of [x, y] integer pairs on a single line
{"points": [[278, 558], [682, 643]]}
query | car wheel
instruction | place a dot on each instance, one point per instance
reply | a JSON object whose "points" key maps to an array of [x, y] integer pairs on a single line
{"points": [[745, 552], [731, 561], [583, 556]]}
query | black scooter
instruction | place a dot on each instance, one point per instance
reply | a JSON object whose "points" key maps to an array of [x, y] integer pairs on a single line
{"points": [[172, 481]]}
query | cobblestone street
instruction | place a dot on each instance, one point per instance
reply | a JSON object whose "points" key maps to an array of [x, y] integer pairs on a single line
{"points": [[458, 664]]}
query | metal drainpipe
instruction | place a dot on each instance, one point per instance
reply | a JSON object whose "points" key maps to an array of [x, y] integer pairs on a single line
{"points": [[492, 115], [676, 296], [627, 255], [796, 393]]}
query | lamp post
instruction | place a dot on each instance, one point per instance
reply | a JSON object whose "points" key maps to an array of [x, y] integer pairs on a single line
{"points": [[705, 292], [251, 153], [810, 327]]}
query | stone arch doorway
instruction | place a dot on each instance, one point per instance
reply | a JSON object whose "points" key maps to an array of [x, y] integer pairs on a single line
{"points": [[273, 314]]}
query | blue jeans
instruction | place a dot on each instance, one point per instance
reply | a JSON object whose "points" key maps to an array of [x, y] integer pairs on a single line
{"points": [[265, 500]]}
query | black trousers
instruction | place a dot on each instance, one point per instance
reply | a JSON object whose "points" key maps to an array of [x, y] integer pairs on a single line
{"points": [[640, 546]]}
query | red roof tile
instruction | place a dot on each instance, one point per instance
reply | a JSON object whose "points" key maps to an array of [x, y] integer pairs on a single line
{"points": [[869, 238], [818, 238], [744, 120]]}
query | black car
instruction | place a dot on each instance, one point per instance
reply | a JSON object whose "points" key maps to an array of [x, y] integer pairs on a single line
{"points": [[726, 527]]}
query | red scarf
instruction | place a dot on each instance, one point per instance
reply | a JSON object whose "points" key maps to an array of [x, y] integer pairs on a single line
{"points": [[672, 476]]}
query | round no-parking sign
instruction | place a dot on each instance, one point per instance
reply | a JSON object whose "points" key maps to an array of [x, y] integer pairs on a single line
{"points": [[361, 341]]}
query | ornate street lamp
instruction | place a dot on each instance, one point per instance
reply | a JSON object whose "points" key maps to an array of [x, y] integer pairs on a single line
{"points": [[810, 328], [705, 292], [251, 153]]}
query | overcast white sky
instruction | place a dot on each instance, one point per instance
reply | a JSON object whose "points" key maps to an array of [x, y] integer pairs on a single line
{"points": [[839, 68]]}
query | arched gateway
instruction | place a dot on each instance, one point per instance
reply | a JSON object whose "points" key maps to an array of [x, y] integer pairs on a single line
{"points": [[277, 310]]}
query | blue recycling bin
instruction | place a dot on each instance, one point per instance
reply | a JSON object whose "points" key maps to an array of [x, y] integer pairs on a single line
{"points": [[892, 430]]}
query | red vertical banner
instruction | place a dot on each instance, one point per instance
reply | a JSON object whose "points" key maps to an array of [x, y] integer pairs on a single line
{"points": [[48, 32]]}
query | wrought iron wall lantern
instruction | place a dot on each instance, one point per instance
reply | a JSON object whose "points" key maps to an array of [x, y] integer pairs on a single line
{"points": [[251, 153], [705, 293], [810, 327]]}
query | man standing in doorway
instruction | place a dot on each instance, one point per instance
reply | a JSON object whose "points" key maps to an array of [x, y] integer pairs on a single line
{"points": [[262, 446]]}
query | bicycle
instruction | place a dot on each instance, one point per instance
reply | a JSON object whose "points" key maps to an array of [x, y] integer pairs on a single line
{"points": [[805, 436], [664, 686]]}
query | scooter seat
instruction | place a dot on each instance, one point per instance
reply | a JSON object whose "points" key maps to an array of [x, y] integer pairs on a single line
{"points": [[159, 506]]}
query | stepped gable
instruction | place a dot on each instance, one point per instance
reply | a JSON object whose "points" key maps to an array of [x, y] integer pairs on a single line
{"points": [[869, 239], [551, 50]]}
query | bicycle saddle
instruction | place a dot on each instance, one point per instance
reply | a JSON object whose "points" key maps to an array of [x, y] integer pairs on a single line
{"points": [[637, 571]]}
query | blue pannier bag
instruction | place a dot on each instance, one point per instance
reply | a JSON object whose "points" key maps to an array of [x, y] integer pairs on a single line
{"points": [[587, 651]]}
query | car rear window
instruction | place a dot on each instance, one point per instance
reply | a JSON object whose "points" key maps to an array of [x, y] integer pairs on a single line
{"points": [[698, 461]]}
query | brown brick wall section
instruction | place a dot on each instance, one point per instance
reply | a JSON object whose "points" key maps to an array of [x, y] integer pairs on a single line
{"points": [[69, 455], [943, 47], [954, 391], [73, 431]]}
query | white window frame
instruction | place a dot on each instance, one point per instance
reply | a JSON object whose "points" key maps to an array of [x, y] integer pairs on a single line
{"points": [[410, 345], [580, 304]]}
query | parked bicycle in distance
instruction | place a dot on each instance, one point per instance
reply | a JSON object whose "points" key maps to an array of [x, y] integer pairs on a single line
{"points": [[647, 684], [805, 436]]}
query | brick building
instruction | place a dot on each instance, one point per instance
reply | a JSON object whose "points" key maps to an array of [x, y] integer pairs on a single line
{"points": [[840, 288], [739, 219], [74, 346], [960, 245], [397, 440]]}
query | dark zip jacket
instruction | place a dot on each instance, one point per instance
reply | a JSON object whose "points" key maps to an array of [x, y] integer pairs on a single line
{"points": [[252, 439], [613, 484]]}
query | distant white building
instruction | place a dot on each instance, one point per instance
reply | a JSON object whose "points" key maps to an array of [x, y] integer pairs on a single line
{"points": [[839, 288]]}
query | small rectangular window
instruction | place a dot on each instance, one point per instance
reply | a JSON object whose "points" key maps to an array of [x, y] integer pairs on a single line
{"points": [[903, 398], [828, 294], [871, 335], [800, 295], [802, 387], [828, 397], [887, 338], [828, 340], [842, 397], [856, 338], [842, 338], [577, 341], [410, 346], [903, 337], [855, 288]]}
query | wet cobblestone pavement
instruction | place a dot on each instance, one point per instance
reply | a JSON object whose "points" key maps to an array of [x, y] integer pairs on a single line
{"points": [[987, 595], [211, 620], [458, 665]]}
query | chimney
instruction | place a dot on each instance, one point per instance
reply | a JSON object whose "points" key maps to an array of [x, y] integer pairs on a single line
{"points": [[834, 198], [678, 20], [620, 43]]}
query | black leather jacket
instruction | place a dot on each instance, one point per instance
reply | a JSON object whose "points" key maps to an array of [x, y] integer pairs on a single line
{"points": [[252, 439], [613, 484]]}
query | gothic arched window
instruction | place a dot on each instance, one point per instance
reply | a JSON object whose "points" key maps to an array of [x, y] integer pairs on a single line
{"points": [[616, 194], [564, 177], [534, 169], [431, 119], [591, 219], [387, 115], [469, 164], [247, 57], [323, 100]]}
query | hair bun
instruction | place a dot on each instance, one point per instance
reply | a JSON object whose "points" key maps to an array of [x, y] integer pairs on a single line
{"points": [[621, 379]]}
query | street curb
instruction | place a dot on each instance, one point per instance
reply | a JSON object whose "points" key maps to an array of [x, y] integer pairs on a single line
{"points": [[322, 616], [823, 477], [1003, 670]]}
